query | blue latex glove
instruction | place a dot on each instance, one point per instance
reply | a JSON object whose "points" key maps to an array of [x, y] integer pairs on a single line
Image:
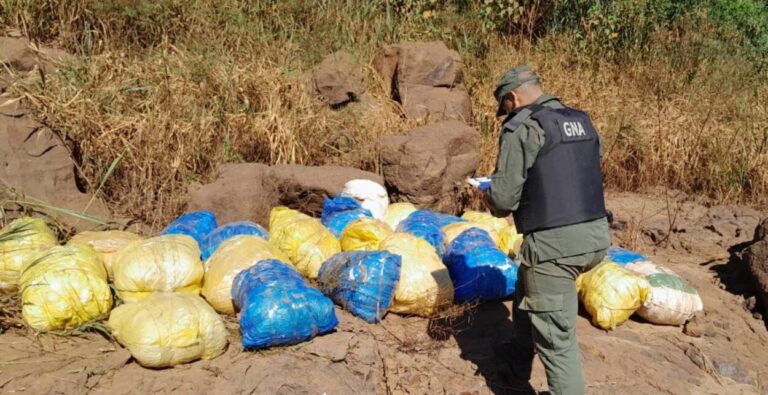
{"points": [[481, 183]]}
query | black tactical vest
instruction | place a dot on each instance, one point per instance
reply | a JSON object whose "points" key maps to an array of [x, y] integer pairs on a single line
{"points": [[565, 184]]}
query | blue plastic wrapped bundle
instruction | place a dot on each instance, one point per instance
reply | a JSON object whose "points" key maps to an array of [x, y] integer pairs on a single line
{"points": [[428, 225], [445, 219], [228, 231], [479, 270], [623, 256], [278, 308], [197, 224], [362, 282], [340, 212]]}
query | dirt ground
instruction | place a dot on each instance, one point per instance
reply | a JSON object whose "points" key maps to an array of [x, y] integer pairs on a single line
{"points": [[725, 351]]}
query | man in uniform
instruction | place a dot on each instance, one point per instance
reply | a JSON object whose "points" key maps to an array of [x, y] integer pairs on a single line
{"points": [[548, 176]]}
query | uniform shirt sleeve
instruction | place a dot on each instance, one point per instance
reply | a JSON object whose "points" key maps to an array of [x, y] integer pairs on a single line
{"points": [[517, 152]]}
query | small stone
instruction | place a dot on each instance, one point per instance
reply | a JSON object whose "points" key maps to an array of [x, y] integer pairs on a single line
{"points": [[750, 303], [693, 327]]}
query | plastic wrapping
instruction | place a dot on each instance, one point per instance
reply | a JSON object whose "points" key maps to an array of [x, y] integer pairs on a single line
{"points": [[340, 212], [19, 240], [623, 257], [278, 307], [168, 263], [479, 270], [425, 285], [64, 287], [168, 329], [365, 234], [428, 225], [362, 282], [671, 301], [397, 212], [509, 240], [371, 195], [611, 294], [224, 232], [452, 231], [233, 256], [305, 241], [196, 224], [106, 243]]}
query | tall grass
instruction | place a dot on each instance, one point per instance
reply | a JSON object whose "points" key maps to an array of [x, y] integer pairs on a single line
{"points": [[176, 87]]}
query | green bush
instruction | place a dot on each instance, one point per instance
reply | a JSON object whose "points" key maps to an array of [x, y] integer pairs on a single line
{"points": [[744, 22]]}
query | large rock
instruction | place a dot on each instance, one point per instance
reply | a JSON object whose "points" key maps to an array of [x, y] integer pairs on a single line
{"points": [[428, 165], [427, 78], [437, 103], [338, 78], [251, 190], [305, 187], [240, 191], [756, 258], [420, 63], [37, 165], [18, 54]]}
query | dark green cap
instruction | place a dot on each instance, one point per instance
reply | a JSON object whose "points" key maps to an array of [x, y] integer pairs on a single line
{"points": [[511, 80]]}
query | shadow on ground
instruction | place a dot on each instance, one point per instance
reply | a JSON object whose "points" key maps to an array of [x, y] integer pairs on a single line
{"points": [[482, 333]]}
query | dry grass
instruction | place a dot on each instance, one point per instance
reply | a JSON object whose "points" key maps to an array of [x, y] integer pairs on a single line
{"points": [[172, 122], [10, 312], [706, 136], [168, 98]]}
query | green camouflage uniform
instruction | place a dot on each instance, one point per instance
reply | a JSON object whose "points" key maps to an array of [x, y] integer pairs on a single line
{"points": [[546, 304]]}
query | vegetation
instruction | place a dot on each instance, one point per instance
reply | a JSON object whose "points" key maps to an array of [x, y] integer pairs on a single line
{"points": [[167, 89]]}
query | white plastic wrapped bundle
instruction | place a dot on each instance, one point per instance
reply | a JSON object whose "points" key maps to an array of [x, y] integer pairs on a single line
{"points": [[371, 195], [671, 301]]}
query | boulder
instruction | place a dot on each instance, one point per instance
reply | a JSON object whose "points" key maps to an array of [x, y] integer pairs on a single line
{"points": [[250, 190], [37, 164], [756, 258], [338, 78], [19, 54], [420, 63], [427, 78], [430, 64], [428, 165], [437, 103], [305, 187], [240, 191]]}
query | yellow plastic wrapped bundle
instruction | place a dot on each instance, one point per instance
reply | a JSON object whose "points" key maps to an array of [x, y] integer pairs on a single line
{"points": [[64, 287], [397, 212], [425, 285], [106, 243], [611, 294], [168, 329], [509, 240], [233, 256], [364, 234], [19, 240], [167, 263], [302, 238], [452, 231]]}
